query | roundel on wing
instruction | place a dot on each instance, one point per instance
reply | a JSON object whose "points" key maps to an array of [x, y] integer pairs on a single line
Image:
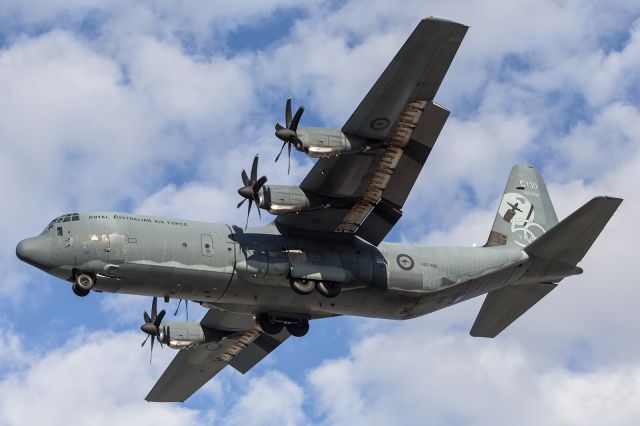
{"points": [[379, 123]]}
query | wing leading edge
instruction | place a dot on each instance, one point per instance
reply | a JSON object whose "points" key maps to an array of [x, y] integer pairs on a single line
{"points": [[192, 368], [369, 188]]}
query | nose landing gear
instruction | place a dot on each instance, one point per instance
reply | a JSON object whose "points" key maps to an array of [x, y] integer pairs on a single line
{"points": [[83, 282]]}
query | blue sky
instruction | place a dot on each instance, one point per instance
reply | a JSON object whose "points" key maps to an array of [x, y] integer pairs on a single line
{"points": [[155, 107]]}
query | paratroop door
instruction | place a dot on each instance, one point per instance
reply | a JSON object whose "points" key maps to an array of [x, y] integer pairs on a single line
{"points": [[117, 247]]}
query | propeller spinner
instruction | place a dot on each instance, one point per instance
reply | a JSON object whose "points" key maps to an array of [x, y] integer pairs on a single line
{"points": [[151, 325], [251, 188], [288, 134]]}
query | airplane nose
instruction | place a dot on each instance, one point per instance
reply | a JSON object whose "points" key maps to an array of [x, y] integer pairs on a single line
{"points": [[35, 251]]}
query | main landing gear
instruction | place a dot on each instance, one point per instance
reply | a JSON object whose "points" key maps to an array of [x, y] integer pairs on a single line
{"points": [[271, 324], [326, 288], [83, 282]]}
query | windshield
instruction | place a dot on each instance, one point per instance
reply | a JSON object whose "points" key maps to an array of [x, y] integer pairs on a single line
{"points": [[64, 218]]}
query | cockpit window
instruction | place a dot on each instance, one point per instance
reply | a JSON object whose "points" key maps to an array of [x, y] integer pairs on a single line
{"points": [[64, 218]]}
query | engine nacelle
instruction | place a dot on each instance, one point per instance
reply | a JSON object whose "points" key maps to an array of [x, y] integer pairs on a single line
{"points": [[327, 142], [282, 199], [182, 335]]}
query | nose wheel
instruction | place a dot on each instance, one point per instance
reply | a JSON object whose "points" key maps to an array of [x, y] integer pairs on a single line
{"points": [[83, 282]]}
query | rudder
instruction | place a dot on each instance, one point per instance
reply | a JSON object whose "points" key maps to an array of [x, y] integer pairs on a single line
{"points": [[525, 211]]}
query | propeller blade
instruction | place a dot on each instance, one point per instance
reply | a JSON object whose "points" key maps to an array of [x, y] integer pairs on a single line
{"points": [[248, 212], [296, 119], [279, 126], [180, 301], [241, 202], [281, 149], [147, 319], [289, 169], [186, 308], [245, 178], [153, 338], [145, 340], [160, 317], [254, 169], [287, 113], [258, 185], [154, 308]]}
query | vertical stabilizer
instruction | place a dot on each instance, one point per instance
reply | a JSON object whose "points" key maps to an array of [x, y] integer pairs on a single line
{"points": [[525, 211]]}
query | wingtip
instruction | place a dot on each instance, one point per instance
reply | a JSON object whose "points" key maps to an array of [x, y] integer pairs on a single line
{"points": [[444, 20], [609, 198]]}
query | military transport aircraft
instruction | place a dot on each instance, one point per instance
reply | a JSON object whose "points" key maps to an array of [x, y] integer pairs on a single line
{"points": [[323, 255]]}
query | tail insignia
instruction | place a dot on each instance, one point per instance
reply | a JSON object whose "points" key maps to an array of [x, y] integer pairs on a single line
{"points": [[519, 212]]}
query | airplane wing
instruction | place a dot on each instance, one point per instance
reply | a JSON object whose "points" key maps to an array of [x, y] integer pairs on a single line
{"points": [[243, 348], [368, 189]]}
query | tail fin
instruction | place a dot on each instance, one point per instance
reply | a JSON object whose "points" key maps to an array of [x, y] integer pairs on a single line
{"points": [[553, 257], [525, 211]]}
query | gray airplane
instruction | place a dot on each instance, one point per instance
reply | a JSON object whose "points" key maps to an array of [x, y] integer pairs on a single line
{"points": [[323, 255]]}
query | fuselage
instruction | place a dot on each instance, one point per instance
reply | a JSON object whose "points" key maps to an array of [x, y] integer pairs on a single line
{"points": [[250, 270]]}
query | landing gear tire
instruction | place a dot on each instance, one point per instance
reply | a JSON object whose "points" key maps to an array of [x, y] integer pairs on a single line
{"points": [[298, 329], [79, 291], [328, 289], [84, 281], [302, 286], [268, 326]]}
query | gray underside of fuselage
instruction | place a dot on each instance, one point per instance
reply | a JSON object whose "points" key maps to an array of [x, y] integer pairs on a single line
{"points": [[249, 270]]}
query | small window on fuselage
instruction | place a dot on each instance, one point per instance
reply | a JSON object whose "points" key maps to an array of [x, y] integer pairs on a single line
{"points": [[60, 231]]}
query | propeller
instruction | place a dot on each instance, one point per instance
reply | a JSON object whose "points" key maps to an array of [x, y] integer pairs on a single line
{"points": [[151, 325], [251, 188], [288, 134], [186, 307]]}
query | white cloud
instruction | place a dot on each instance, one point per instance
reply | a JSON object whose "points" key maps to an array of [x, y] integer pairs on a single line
{"points": [[103, 377], [12, 352], [272, 399], [406, 376], [97, 378]]}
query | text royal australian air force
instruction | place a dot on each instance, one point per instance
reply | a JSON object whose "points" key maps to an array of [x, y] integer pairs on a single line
{"points": [[134, 218]]}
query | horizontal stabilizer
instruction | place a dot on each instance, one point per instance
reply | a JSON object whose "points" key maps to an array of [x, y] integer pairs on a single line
{"points": [[569, 240], [503, 306]]}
